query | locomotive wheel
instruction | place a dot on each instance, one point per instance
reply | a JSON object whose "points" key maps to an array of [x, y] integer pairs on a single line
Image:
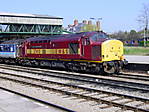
{"points": [[111, 69], [117, 69]]}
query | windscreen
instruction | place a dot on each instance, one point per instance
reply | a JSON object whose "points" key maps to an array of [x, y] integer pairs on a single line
{"points": [[99, 36]]}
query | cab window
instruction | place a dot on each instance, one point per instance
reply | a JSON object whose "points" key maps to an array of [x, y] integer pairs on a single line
{"points": [[86, 41], [94, 37], [102, 35], [98, 36]]}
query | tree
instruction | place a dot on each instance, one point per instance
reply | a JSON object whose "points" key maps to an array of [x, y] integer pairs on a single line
{"points": [[143, 18], [125, 36], [133, 35]]}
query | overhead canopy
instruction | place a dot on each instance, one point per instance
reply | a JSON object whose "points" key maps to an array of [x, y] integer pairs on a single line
{"points": [[13, 18]]}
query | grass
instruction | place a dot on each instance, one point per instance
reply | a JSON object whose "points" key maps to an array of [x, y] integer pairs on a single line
{"points": [[136, 50]]}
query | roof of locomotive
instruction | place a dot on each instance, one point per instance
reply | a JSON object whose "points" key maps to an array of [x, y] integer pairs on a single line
{"points": [[63, 37]]}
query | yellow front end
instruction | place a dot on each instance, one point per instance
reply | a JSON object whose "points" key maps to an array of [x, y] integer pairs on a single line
{"points": [[112, 50]]}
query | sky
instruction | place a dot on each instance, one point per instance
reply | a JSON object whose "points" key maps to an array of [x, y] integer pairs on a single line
{"points": [[117, 15]]}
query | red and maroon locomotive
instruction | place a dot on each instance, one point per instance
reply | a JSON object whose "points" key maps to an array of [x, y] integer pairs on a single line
{"points": [[88, 51]]}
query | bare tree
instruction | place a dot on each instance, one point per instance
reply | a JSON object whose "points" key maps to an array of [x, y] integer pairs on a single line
{"points": [[143, 19]]}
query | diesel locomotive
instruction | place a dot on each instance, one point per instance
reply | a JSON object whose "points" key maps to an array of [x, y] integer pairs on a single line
{"points": [[86, 51]]}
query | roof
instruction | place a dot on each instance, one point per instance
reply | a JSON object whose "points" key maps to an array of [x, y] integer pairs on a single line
{"points": [[29, 19], [74, 36], [28, 15]]}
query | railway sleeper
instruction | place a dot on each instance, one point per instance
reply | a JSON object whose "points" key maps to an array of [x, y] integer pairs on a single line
{"points": [[82, 96]]}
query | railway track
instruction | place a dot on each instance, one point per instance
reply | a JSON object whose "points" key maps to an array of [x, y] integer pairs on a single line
{"points": [[124, 102], [142, 77], [116, 81], [111, 99]]}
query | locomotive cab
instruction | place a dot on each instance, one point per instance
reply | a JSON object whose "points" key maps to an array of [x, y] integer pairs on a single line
{"points": [[108, 52]]}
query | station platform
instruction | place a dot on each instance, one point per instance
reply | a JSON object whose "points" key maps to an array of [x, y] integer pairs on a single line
{"points": [[10, 102], [137, 59]]}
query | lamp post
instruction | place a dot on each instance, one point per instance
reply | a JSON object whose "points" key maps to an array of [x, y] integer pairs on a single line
{"points": [[144, 37]]}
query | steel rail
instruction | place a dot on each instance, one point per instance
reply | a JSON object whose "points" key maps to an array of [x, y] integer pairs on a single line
{"points": [[75, 94], [89, 79], [90, 89], [130, 76], [120, 75]]}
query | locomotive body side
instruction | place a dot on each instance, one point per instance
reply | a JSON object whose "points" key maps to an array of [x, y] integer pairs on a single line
{"points": [[53, 49], [76, 48]]}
